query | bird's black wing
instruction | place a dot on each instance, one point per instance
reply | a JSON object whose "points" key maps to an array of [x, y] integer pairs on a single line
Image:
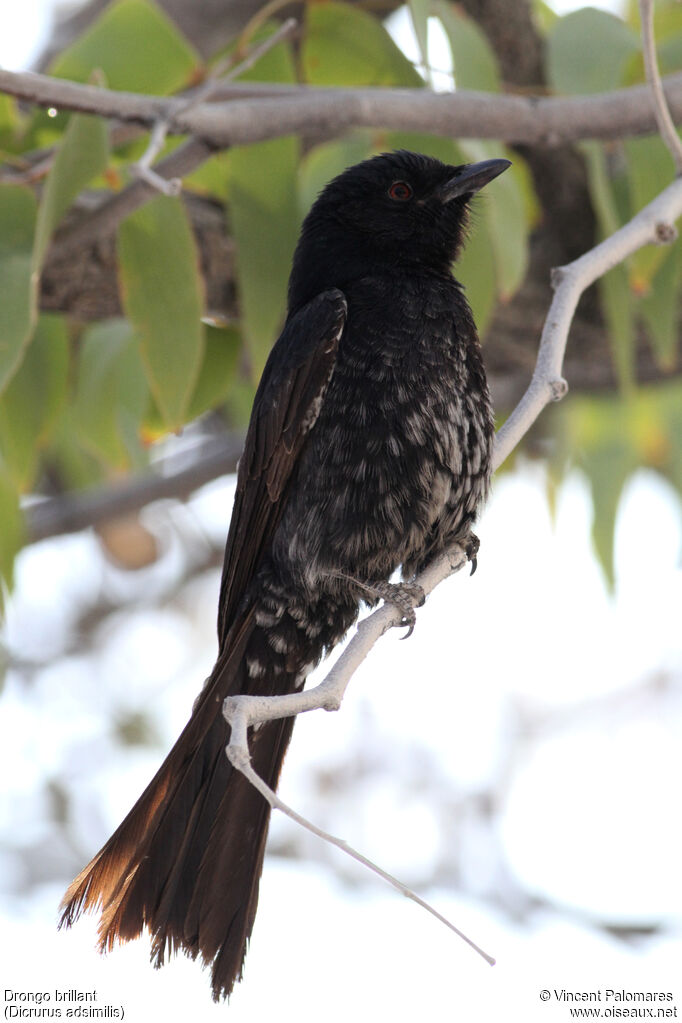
{"points": [[285, 409]]}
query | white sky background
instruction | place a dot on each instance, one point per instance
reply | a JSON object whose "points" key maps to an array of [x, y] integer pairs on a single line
{"points": [[590, 817]]}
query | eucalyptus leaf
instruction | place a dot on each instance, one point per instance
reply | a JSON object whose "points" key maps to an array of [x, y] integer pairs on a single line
{"points": [[135, 45], [18, 214], [34, 399], [650, 170], [218, 371], [618, 308], [475, 64], [326, 161], [82, 154], [12, 534], [588, 50], [475, 268], [264, 221], [503, 208], [344, 45], [617, 301], [112, 393], [162, 293], [660, 308]]}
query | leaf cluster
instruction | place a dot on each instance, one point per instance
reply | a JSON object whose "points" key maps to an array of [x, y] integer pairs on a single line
{"points": [[80, 403]]}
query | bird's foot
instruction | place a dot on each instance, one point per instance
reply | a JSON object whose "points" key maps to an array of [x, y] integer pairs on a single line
{"points": [[404, 596], [470, 545]]}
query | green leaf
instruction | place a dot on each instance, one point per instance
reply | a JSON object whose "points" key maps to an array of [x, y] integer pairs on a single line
{"points": [[326, 161], [264, 221], [616, 298], [9, 121], [136, 46], [276, 65], [82, 155], [660, 309], [474, 61], [218, 370], [597, 432], [18, 212], [344, 45], [503, 208], [601, 191], [77, 467], [475, 268], [162, 294], [650, 170], [12, 534], [587, 51], [34, 399], [608, 469], [112, 394], [210, 178], [431, 145], [618, 308]]}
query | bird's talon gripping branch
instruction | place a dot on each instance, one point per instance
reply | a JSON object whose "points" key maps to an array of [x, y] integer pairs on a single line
{"points": [[404, 596], [471, 546]]}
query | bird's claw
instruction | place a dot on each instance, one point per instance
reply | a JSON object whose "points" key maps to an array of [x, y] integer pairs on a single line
{"points": [[404, 596], [470, 546]]}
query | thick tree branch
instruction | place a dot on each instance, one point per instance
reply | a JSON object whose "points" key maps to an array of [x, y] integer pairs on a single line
{"points": [[249, 117], [73, 512]]}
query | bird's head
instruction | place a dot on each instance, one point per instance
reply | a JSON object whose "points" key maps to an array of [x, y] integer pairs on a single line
{"points": [[397, 209]]}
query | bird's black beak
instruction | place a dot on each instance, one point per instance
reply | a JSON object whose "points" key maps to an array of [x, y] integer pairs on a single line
{"points": [[471, 178]]}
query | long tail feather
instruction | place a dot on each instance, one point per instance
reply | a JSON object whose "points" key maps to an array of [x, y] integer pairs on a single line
{"points": [[186, 861]]}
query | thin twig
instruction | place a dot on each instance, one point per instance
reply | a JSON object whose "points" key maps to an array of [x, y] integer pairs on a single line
{"points": [[665, 122], [142, 168], [243, 764]]}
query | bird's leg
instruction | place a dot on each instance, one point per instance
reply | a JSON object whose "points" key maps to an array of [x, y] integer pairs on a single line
{"points": [[404, 596]]}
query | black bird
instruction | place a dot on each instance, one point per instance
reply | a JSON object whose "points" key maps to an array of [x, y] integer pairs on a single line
{"points": [[369, 448]]}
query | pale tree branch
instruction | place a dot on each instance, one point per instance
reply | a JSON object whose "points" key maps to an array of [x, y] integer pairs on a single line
{"points": [[245, 113], [652, 225], [72, 512], [665, 122]]}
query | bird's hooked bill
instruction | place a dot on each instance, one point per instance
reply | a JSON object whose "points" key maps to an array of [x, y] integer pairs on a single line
{"points": [[473, 177]]}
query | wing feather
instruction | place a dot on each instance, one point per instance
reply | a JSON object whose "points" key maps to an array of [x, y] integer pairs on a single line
{"points": [[285, 409]]}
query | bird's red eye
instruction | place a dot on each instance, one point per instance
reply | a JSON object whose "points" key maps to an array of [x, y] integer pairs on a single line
{"points": [[400, 190]]}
